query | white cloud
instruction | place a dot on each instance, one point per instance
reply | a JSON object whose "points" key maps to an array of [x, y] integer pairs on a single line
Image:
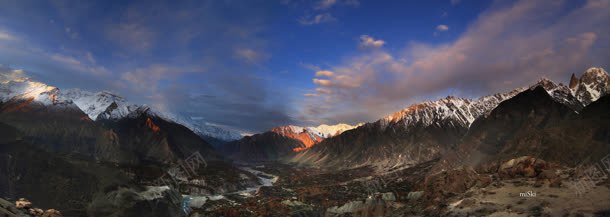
{"points": [[80, 66], [369, 42], [68, 60], [442, 28], [317, 19], [147, 79]]}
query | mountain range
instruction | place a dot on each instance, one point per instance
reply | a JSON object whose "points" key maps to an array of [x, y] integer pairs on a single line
{"points": [[103, 105], [427, 130], [420, 132]]}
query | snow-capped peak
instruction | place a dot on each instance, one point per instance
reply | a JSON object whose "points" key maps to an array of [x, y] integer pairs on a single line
{"points": [[94, 104], [593, 84], [326, 131], [15, 85]]}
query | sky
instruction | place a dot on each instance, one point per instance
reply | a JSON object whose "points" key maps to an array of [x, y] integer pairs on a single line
{"points": [[254, 65]]}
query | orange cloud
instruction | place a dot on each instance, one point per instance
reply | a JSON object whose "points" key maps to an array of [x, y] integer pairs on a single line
{"points": [[322, 82], [324, 73]]}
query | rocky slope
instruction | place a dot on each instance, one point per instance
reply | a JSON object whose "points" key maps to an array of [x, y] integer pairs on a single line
{"points": [[533, 124], [64, 128], [51, 180], [261, 147]]}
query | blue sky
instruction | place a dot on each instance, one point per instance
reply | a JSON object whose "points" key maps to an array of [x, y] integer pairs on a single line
{"points": [[253, 65]]}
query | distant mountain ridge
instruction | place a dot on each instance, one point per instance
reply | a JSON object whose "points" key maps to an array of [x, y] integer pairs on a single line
{"points": [[310, 136], [280, 142]]}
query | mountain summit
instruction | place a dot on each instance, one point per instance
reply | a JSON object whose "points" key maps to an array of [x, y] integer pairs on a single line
{"points": [[593, 84]]}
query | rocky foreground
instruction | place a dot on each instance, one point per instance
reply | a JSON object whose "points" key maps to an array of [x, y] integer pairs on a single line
{"points": [[523, 186]]}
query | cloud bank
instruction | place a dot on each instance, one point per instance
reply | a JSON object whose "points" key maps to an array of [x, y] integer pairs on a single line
{"points": [[508, 46]]}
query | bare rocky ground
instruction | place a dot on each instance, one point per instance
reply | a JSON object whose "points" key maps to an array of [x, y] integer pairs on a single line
{"points": [[500, 190], [504, 199]]}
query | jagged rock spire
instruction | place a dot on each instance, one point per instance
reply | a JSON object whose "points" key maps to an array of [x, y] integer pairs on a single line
{"points": [[573, 81]]}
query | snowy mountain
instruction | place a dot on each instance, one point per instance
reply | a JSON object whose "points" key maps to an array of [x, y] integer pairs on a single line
{"points": [[560, 93], [460, 111], [593, 84], [322, 131], [326, 131], [15, 85], [104, 105]]}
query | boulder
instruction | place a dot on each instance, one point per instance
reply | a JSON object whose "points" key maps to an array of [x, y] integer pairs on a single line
{"points": [[51, 213], [36, 211], [22, 203], [525, 166]]}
